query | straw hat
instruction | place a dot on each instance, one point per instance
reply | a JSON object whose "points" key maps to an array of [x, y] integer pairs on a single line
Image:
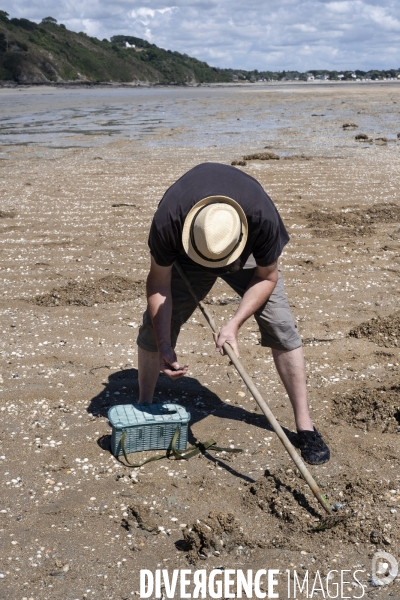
{"points": [[215, 231]]}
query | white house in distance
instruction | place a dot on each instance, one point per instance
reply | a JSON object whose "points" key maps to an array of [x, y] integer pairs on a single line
{"points": [[128, 45]]}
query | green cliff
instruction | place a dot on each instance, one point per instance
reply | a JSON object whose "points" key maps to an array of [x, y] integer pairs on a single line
{"points": [[32, 53]]}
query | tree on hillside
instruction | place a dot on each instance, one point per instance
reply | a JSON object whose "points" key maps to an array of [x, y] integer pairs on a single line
{"points": [[3, 15], [24, 23], [49, 20], [3, 43]]}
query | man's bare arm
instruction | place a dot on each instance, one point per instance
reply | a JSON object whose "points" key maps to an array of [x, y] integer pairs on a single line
{"points": [[259, 290], [159, 301]]}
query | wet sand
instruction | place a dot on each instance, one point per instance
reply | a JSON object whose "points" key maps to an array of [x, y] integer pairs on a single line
{"points": [[74, 223]]}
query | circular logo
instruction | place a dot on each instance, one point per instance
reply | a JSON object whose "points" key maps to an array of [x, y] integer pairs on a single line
{"points": [[384, 568]]}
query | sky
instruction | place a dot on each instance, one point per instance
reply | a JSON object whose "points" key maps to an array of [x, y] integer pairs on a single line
{"points": [[242, 34]]}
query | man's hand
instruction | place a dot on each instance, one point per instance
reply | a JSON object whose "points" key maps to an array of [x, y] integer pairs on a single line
{"points": [[229, 335], [169, 365], [258, 291]]}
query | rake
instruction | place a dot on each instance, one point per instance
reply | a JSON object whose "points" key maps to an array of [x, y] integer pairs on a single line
{"points": [[332, 519]]}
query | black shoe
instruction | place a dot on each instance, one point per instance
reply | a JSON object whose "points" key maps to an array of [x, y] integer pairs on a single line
{"points": [[313, 448]]}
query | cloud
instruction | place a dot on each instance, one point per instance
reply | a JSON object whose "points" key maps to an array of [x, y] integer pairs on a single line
{"points": [[146, 15], [340, 7], [305, 28], [381, 18], [256, 34]]}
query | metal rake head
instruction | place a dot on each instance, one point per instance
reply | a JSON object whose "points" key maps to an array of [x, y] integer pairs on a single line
{"points": [[331, 521]]}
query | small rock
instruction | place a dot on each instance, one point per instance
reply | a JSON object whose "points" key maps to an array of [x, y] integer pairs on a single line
{"points": [[375, 537], [262, 156]]}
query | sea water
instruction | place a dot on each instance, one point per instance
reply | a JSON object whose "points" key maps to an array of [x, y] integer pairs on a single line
{"points": [[293, 118]]}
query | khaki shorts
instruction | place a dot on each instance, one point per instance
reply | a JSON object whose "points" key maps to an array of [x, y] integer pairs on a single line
{"points": [[275, 321]]}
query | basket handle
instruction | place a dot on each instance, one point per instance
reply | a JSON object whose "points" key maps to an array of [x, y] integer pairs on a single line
{"points": [[199, 447]]}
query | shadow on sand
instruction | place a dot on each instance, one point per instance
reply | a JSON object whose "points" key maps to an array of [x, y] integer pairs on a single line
{"points": [[122, 388]]}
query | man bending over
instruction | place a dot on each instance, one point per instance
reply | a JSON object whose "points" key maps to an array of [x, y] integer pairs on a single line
{"points": [[218, 222]]}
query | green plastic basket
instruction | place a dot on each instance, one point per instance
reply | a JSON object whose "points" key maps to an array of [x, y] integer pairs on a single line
{"points": [[148, 426]]}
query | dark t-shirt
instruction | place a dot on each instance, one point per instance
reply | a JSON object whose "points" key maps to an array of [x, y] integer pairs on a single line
{"points": [[267, 235]]}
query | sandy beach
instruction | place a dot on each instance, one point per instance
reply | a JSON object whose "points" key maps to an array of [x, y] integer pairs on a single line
{"points": [[81, 174]]}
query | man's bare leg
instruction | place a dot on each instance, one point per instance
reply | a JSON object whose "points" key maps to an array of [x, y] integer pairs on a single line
{"points": [[149, 369], [291, 369]]}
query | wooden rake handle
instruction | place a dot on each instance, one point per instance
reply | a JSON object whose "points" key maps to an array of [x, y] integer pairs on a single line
{"points": [[260, 401]]}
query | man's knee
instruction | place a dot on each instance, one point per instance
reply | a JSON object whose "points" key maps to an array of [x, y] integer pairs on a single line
{"points": [[146, 339]]}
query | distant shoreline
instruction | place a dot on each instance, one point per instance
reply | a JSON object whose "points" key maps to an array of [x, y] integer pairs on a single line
{"points": [[144, 84]]}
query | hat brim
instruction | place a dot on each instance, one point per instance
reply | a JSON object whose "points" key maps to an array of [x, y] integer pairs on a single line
{"points": [[186, 238]]}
